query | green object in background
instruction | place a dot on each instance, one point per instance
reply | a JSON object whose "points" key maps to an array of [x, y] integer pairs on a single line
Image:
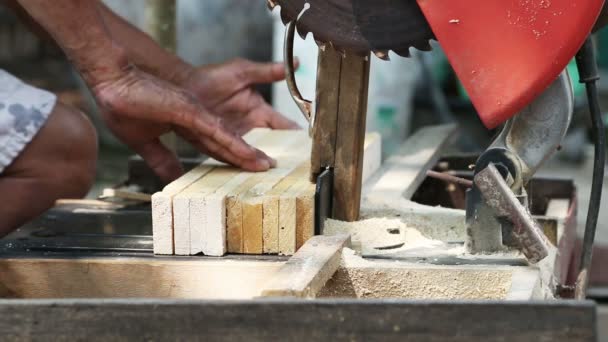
{"points": [[602, 46]]}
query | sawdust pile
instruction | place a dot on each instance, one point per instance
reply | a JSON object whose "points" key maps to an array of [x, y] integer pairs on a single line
{"points": [[375, 234], [360, 278]]}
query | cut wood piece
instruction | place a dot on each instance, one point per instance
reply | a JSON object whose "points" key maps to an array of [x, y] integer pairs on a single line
{"points": [[207, 205], [305, 274], [162, 202], [120, 194], [326, 117], [288, 218], [162, 210], [305, 215], [403, 173], [272, 209], [215, 241], [200, 216], [189, 211], [284, 145], [253, 200], [350, 139]]}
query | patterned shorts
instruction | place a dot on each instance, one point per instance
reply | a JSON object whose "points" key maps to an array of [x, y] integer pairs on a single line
{"points": [[23, 111]]}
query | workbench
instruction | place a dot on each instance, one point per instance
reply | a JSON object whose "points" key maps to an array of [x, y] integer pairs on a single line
{"points": [[87, 269]]}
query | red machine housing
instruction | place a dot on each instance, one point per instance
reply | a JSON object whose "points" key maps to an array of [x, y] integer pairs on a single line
{"points": [[507, 52]]}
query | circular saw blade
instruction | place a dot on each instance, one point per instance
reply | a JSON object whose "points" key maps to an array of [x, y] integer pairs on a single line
{"points": [[360, 26]]}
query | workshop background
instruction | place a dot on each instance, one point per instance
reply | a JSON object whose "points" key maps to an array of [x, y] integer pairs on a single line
{"points": [[405, 94]]}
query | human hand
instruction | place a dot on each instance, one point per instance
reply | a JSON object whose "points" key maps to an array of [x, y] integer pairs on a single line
{"points": [[139, 108], [227, 90]]}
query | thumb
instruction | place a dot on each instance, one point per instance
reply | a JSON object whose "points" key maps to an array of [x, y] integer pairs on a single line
{"points": [[161, 160]]}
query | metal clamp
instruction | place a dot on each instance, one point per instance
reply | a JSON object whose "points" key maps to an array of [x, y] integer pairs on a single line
{"points": [[498, 196], [525, 143], [304, 105]]}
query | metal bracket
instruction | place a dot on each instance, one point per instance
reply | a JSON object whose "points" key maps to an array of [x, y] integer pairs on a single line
{"points": [[323, 199], [304, 105], [498, 195], [525, 143]]}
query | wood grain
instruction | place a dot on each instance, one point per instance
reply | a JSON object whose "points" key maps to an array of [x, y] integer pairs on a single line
{"points": [[326, 117], [348, 166], [309, 269]]}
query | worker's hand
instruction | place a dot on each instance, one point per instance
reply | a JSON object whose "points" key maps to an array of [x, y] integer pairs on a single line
{"points": [[228, 91], [139, 108]]}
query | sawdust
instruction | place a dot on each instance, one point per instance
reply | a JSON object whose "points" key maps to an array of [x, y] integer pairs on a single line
{"points": [[376, 234], [360, 278], [435, 223]]}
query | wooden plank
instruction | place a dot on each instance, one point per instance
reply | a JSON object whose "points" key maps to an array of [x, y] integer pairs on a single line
{"points": [[234, 206], [208, 225], [296, 198], [198, 217], [252, 201], [348, 166], [162, 210], [326, 117], [298, 320], [271, 207], [190, 217], [403, 173], [305, 215], [215, 241], [192, 278], [287, 226], [110, 193], [162, 202], [309, 269]]}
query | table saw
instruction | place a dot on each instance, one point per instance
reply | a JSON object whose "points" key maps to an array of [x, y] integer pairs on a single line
{"points": [[483, 250]]}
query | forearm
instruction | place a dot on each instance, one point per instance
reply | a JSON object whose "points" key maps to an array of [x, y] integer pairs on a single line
{"points": [[78, 28], [142, 50]]}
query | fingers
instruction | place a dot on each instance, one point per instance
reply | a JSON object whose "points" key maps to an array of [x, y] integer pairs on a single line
{"points": [[161, 160], [254, 72], [207, 145], [278, 121], [266, 116]]}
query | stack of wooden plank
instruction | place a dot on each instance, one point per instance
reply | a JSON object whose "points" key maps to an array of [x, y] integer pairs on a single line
{"points": [[217, 209]]}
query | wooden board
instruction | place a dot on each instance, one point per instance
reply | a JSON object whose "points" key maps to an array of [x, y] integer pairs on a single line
{"points": [[253, 200], [229, 210], [350, 139], [162, 202], [403, 173], [199, 278], [309, 269], [200, 206]]}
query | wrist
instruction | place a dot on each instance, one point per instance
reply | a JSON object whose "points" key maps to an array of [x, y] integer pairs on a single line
{"points": [[102, 65], [180, 73]]}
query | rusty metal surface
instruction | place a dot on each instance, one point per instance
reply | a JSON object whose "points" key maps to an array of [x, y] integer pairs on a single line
{"points": [[499, 196], [297, 320], [360, 26]]}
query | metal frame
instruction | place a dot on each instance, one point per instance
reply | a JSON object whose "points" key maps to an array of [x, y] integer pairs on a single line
{"points": [[297, 320]]}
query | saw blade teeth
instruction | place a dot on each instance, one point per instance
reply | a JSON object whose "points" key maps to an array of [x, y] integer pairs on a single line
{"points": [[403, 52], [297, 10], [301, 32], [285, 17], [423, 46], [383, 55]]}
